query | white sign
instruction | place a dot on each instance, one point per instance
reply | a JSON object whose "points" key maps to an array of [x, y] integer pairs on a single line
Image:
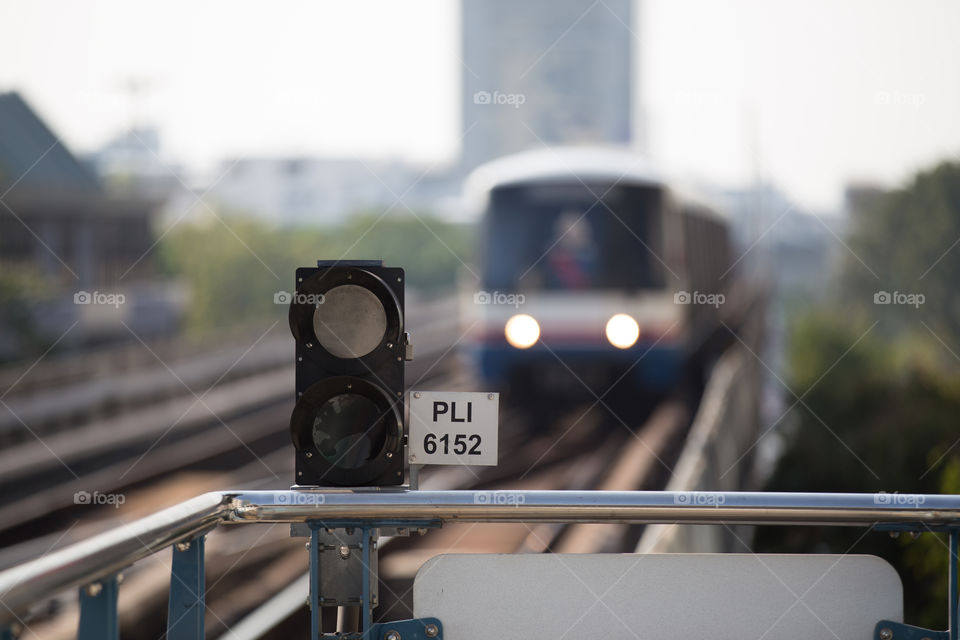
{"points": [[453, 427], [659, 596]]}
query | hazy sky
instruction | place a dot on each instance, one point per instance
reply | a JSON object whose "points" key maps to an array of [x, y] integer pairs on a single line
{"points": [[808, 92]]}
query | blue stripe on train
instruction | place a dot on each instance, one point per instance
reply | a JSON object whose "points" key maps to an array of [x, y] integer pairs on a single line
{"points": [[658, 369]]}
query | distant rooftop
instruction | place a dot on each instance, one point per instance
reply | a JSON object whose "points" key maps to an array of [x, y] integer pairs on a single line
{"points": [[32, 157]]}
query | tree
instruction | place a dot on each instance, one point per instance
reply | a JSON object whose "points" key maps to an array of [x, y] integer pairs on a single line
{"points": [[878, 382], [234, 269]]}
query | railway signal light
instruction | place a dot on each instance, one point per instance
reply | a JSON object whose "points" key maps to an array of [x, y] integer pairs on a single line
{"points": [[347, 425]]}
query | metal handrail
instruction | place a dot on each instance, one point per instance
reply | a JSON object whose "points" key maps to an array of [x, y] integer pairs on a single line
{"points": [[633, 507], [107, 553]]}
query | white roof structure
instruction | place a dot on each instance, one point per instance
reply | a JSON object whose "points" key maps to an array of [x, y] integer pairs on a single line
{"points": [[561, 164], [572, 164]]}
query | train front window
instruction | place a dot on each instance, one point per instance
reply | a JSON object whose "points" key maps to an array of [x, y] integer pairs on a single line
{"points": [[572, 236]]}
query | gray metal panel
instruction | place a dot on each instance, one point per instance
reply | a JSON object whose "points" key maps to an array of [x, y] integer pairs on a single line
{"points": [[654, 596]]}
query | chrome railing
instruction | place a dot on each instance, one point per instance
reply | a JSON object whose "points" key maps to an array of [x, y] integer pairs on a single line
{"points": [[96, 561], [635, 507]]}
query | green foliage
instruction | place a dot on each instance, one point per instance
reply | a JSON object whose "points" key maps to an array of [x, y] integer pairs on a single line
{"points": [[867, 421], [21, 288], [234, 267], [431, 251], [879, 385], [907, 240], [872, 423]]}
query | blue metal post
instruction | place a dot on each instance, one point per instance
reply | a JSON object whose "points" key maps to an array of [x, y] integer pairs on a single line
{"points": [[314, 582], [365, 610], [954, 539], [98, 611], [187, 604]]}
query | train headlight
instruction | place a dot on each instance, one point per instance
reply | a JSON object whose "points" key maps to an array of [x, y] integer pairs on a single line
{"points": [[522, 331], [347, 426], [622, 331]]}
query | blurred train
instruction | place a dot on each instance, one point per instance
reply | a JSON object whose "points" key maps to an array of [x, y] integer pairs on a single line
{"points": [[596, 277]]}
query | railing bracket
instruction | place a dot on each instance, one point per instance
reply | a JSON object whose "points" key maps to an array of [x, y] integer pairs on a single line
{"points": [[888, 630]]}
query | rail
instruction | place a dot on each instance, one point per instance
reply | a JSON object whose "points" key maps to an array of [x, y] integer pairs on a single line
{"points": [[95, 562], [713, 455]]}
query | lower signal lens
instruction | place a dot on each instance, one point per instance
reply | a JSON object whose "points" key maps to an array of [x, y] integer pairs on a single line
{"points": [[348, 430]]}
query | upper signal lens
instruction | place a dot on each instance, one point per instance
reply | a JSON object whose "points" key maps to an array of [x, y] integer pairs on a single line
{"points": [[351, 322]]}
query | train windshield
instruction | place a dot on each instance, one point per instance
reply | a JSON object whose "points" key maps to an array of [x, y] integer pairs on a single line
{"points": [[573, 236]]}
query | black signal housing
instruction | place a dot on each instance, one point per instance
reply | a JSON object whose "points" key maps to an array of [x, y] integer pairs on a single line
{"points": [[347, 318]]}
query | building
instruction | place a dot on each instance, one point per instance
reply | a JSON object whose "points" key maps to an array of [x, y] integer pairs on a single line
{"points": [[545, 72], [780, 242], [325, 190], [56, 215], [60, 227], [131, 163]]}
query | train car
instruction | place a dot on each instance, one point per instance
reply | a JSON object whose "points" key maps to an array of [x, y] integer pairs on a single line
{"points": [[595, 276]]}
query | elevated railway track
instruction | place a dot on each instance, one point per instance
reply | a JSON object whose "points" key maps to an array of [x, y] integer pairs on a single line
{"points": [[235, 434]]}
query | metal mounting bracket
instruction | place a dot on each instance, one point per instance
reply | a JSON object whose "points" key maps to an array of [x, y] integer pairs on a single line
{"points": [[355, 553], [887, 630], [414, 629], [98, 610]]}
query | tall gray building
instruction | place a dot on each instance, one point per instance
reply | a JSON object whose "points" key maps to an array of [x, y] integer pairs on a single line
{"points": [[545, 72]]}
